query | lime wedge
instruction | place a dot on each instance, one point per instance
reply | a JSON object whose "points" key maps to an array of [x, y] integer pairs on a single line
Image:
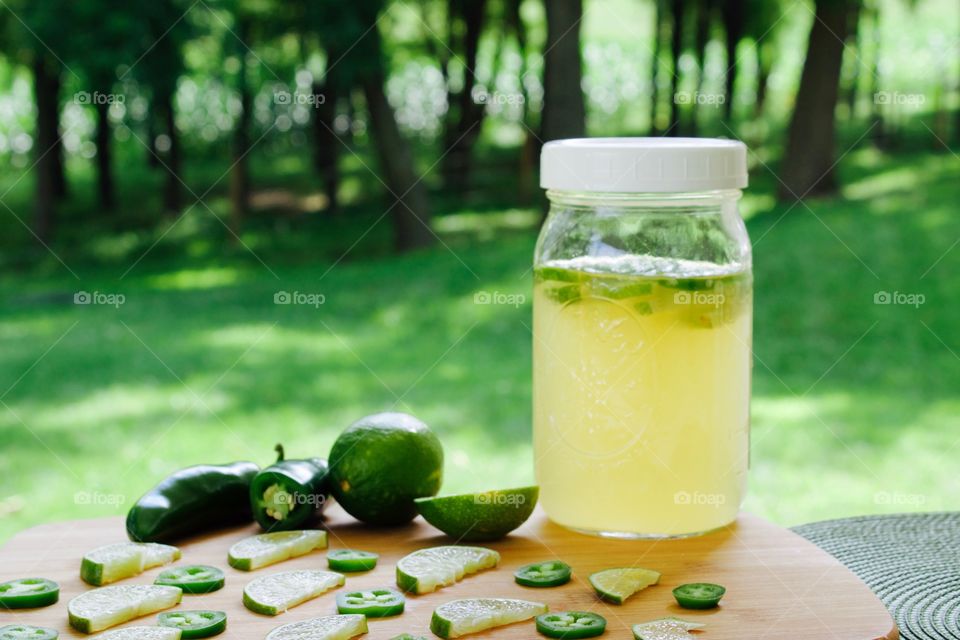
{"points": [[665, 629], [616, 585], [141, 633], [474, 517], [323, 628], [107, 607], [273, 594], [460, 617], [124, 560], [27, 632], [269, 548], [427, 570]]}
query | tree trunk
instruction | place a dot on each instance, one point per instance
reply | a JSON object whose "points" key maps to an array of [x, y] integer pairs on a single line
{"points": [[528, 148], [564, 111], [48, 117], [879, 131], [702, 37], [240, 171], [854, 41], [46, 91], [676, 48], [153, 155], [411, 215], [764, 64], [733, 23], [462, 132], [655, 66], [105, 185], [172, 200], [326, 146], [809, 157]]}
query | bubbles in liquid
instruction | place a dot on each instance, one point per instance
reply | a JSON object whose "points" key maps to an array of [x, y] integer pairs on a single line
{"points": [[647, 265]]}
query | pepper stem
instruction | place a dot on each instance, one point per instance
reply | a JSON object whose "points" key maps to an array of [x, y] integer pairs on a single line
{"points": [[279, 450]]}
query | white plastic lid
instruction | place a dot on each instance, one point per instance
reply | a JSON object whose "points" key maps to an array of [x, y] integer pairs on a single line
{"points": [[643, 165]]}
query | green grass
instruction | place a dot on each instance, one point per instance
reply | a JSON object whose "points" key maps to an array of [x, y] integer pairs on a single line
{"points": [[855, 406]]}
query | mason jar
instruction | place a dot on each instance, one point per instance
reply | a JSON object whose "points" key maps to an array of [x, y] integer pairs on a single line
{"points": [[642, 335]]}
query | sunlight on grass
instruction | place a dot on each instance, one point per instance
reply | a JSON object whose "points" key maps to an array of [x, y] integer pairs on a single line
{"points": [[488, 223], [195, 279], [104, 406]]}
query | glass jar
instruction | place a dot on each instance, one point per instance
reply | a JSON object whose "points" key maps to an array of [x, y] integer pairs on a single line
{"points": [[642, 336]]}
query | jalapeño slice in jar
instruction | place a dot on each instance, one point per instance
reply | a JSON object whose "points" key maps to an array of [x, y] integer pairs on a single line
{"points": [[195, 624], [699, 595], [194, 578], [28, 593], [373, 603], [571, 624], [552, 573], [351, 560], [27, 632]]}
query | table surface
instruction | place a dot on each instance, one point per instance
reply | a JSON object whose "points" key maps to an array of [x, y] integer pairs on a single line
{"points": [[779, 585]]}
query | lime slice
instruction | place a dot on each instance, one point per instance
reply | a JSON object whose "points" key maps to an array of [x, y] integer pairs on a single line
{"points": [[665, 629], [341, 627], [141, 633], [616, 585], [124, 560], [460, 617], [269, 548], [107, 607], [473, 517], [27, 632], [427, 570], [273, 594]]}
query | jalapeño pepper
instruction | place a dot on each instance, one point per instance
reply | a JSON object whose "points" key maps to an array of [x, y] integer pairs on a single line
{"points": [[191, 501], [289, 494]]}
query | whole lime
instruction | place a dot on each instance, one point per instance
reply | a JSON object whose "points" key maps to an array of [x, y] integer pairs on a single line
{"points": [[381, 463]]}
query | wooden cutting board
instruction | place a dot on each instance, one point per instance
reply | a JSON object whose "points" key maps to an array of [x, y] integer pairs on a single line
{"points": [[778, 584]]}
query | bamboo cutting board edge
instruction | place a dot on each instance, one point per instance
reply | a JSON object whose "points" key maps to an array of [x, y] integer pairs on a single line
{"points": [[779, 585]]}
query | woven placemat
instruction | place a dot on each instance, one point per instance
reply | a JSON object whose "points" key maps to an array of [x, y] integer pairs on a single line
{"points": [[912, 562]]}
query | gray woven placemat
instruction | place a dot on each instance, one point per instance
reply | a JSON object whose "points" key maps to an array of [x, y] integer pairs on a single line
{"points": [[912, 562]]}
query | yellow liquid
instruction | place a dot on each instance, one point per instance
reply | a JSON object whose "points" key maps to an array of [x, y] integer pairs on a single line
{"points": [[641, 396]]}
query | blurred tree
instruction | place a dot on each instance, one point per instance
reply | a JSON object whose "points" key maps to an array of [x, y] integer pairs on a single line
{"points": [[734, 15], [528, 151], [659, 24], [763, 18], [879, 131], [48, 149], [809, 157], [465, 112], [329, 91], [240, 141], [102, 36], [353, 29], [331, 88], [26, 28], [159, 69], [564, 111], [854, 44], [677, 13], [705, 10]]}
